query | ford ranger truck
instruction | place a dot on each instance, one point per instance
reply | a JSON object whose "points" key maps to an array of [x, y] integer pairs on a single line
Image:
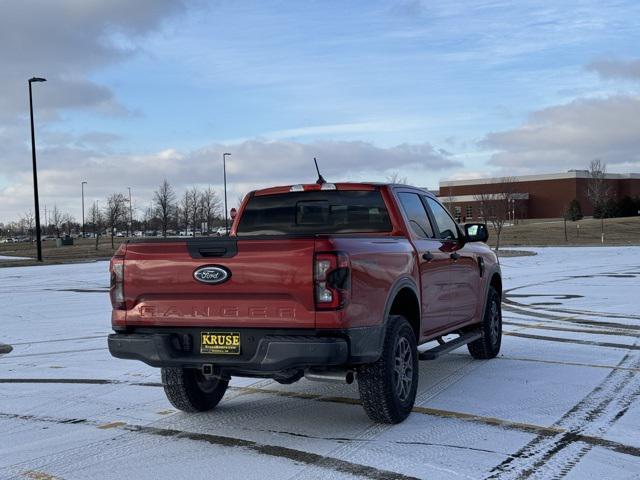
{"points": [[334, 282]]}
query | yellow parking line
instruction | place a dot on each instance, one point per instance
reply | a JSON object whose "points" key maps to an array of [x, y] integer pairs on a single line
{"points": [[529, 427], [111, 425], [35, 475]]}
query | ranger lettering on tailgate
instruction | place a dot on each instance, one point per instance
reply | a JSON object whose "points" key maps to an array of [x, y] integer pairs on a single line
{"points": [[173, 311]]}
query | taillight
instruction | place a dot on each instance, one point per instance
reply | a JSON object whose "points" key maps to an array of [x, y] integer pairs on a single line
{"points": [[332, 280], [116, 268]]}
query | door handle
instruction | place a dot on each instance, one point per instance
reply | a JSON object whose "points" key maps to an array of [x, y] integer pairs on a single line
{"points": [[428, 256], [455, 256]]}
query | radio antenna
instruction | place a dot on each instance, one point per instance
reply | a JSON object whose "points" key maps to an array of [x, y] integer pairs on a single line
{"points": [[320, 180]]}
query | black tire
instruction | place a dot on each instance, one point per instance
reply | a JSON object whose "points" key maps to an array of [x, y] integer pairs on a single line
{"points": [[190, 391], [387, 393], [488, 346]]}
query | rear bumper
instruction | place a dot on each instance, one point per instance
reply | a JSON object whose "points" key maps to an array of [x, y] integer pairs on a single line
{"points": [[265, 354]]}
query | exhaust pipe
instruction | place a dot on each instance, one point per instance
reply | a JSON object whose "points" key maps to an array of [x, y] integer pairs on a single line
{"points": [[339, 376]]}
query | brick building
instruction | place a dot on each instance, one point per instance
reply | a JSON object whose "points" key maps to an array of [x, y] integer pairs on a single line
{"points": [[533, 196]]}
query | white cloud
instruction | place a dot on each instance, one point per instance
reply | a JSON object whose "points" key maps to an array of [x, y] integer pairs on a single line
{"points": [[570, 135], [616, 69], [66, 41], [253, 164]]}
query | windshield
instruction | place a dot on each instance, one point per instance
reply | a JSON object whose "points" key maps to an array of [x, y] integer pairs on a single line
{"points": [[326, 211]]}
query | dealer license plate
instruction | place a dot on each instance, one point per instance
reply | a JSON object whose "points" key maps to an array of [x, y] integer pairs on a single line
{"points": [[220, 343]]}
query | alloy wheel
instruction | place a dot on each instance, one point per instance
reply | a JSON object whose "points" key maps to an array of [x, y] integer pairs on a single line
{"points": [[403, 368]]}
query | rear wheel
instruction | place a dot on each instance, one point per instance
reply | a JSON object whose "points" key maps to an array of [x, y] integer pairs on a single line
{"points": [[388, 387], [488, 345], [190, 391]]}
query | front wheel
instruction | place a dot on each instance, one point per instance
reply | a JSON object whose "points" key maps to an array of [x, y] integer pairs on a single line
{"points": [[388, 386], [488, 345], [190, 391]]}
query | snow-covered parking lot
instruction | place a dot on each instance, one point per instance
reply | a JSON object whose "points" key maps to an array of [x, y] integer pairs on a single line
{"points": [[561, 400]]}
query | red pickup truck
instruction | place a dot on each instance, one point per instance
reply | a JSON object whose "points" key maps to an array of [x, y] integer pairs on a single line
{"points": [[333, 282]]}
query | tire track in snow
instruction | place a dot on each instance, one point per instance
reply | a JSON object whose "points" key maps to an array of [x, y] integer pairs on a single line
{"points": [[257, 388], [554, 456], [572, 340], [376, 430], [321, 461], [59, 352], [570, 319], [589, 331], [55, 340]]}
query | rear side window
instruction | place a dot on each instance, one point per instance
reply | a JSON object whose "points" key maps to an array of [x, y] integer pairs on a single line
{"points": [[417, 215], [314, 212]]}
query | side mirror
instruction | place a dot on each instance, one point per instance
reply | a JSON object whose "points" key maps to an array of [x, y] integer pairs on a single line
{"points": [[476, 232], [233, 213]]}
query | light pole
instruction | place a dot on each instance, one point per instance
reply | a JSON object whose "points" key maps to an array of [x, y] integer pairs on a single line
{"points": [[35, 171], [130, 214], [83, 232], [224, 170]]}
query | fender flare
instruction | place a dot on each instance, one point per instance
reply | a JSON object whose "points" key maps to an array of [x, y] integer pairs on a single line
{"points": [[399, 284], [494, 270]]}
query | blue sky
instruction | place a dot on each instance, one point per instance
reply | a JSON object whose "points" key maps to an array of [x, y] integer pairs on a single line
{"points": [[431, 89], [376, 71]]}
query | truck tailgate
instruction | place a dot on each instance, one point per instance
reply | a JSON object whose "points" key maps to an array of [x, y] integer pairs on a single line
{"points": [[270, 283]]}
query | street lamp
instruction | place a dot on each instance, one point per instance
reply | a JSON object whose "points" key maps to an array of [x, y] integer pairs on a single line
{"points": [[83, 232], [224, 169], [35, 171]]}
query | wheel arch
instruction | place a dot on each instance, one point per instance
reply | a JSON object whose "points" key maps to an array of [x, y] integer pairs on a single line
{"points": [[496, 282], [404, 299]]}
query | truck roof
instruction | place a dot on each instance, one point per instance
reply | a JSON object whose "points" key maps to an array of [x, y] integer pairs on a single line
{"points": [[305, 187]]}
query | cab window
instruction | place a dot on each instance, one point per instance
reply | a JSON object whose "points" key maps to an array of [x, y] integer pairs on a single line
{"points": [[417, 215], [445, 225]]}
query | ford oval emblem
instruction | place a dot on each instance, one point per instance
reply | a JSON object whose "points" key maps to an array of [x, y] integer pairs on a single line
{"points": [[212, 274]]}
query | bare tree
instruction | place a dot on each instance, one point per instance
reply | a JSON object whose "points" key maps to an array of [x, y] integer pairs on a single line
{"points": [[96, 218], [28, 220], [67, 221], [498, 207], [449, 202], [598, 192], [240, 199], [115, 212], [194, 208], [394, 177], [210, 206], [164, 199], [55, 218], [147, 217], [184, 212]]}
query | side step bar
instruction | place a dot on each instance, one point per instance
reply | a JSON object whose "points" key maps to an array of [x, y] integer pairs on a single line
{"points": [[446, 347]]}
